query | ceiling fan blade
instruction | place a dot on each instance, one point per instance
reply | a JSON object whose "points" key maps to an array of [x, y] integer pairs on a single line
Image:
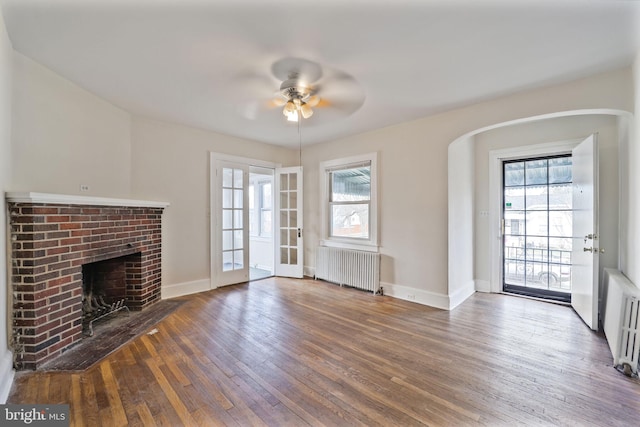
{"points": [[341, 92], [303, 70]]}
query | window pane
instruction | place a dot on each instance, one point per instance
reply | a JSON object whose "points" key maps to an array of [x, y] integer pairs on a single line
{"points": [[513, 247], [350, 220], [237, 178], [351, 185], [265, 226], [560, 170], [560, 249], [293, 199], [238, 260], [514, 198], [237, 198], [560, 223], [536, 172], [227, 179], [293, 216], [227, 219], [237, 239], [560, 197], [536, 197], [293, 181], [266, 196], [513, 174], [237, 218], [514, 223], [227, 240], [537, 223], [227, 261], [227, 202], [284, 182]]}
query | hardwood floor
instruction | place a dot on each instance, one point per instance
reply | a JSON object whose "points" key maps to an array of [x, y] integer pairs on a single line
{"points": [[284, 352]]}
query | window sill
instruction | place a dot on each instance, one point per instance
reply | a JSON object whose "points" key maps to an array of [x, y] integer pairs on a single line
{"points": [[364, 246]]}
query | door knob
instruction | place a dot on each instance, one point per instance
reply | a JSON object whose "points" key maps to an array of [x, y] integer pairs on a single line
{"points": [[594, 250]]}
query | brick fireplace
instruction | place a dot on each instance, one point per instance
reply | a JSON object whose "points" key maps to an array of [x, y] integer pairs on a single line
{"points": [[52, 238]]}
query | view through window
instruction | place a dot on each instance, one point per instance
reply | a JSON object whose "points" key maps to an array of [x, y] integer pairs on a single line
{"points": [[350, 201], [538, 216]]}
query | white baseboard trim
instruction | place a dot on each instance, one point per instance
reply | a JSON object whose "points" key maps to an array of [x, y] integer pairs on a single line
{"points": [[462, 294], [309, 271], [6, 376], [483, 286], [186, 288], [419, 296]]}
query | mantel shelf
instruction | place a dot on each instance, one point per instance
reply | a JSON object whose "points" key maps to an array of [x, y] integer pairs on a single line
{"points": [[67, 199]]}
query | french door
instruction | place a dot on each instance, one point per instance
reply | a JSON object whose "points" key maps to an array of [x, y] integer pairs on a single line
{"points": [[289, 240], [232, 222], [230, 219]]}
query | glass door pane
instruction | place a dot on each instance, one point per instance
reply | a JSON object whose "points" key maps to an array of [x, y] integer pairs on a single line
{"points": [[537, 215]]}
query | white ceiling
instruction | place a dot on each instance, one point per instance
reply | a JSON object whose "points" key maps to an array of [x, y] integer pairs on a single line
{"points": [[202, 62]]}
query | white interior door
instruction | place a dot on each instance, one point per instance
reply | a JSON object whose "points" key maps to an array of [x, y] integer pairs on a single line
{"points": [[585, 270], [289, 248], [232, 223]]}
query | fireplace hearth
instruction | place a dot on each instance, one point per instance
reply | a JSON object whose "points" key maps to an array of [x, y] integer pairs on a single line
{"points": [[59, 242]]}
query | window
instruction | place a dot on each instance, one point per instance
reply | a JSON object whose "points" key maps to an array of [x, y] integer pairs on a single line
{"points": [[260, 210], [349, 208], [265, 209]]}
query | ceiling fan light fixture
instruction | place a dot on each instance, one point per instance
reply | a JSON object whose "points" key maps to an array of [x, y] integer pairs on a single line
{"points": [[289, 108], [306, 111], [292, 116]]}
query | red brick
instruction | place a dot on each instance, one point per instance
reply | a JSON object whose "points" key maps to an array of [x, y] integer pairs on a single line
{"points": [[57, 218]]}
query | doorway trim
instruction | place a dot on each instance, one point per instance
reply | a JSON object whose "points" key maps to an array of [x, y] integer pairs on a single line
{"points": [[213, 203], [496, 158], [462, 282]]}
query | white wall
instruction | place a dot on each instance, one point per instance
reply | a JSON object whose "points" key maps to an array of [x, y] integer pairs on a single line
{"points": [[539, 132], [6, 58], [171, 164], [413, 160], [64, 136], [630, 190]]}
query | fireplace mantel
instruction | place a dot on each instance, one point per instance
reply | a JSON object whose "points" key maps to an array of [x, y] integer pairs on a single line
{"points": [[67, 199]]}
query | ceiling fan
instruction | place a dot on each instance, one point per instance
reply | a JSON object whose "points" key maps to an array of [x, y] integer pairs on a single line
{"points": [[297, 97], [304, 87]]}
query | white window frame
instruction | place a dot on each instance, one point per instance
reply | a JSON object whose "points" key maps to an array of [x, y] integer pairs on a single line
{"points": [[371, 244]]}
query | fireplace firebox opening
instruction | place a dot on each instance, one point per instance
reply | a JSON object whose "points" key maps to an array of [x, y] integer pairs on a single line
{"points": [[104, 289]]}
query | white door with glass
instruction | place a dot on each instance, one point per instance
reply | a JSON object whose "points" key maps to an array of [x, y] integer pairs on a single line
{"points": [[586, 248], [232, 220], [289, 248], [537, 228]]}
